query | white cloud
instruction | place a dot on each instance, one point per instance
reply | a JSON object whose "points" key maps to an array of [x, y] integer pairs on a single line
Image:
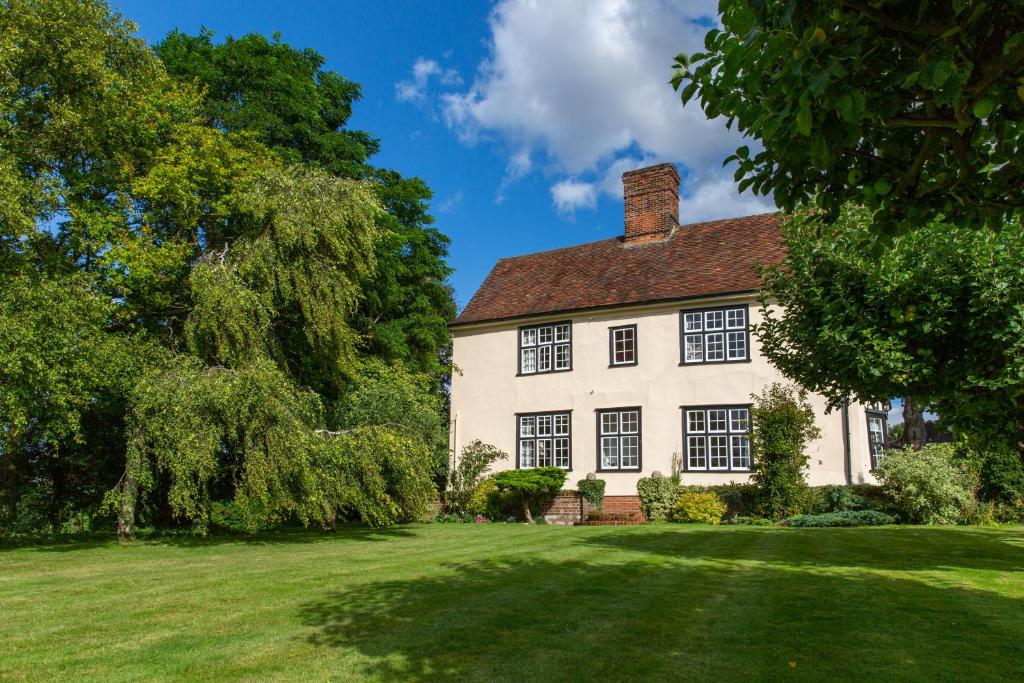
{"points": [[415, 89], [581, 87], [569, 195], [451, 203]]}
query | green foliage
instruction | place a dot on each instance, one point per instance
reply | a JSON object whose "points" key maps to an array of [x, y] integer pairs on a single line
{"points": [[745, 520], [592, 490], [939, 315], [702, 507], [840, 499], [467, 477], [841, 518], [482, 499], [530, 487], [782, 426], [915, 111], [658, 495], [928, 485], [1002, 476], [281, 96]]}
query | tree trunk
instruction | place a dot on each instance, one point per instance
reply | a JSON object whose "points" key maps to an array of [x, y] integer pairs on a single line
{"points": [[914, 433], [126, 510], [526, 511]]}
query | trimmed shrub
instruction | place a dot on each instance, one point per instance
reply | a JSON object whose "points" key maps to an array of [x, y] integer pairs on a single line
{"points": [[530, 487], [1002, 476], [747, 520], [658, 496], [702, 507], [782, 425], [841, 518], [928, 486], [592, 490]]}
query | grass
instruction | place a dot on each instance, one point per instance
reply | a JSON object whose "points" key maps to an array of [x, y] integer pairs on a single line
{"points": [[490, 602]]}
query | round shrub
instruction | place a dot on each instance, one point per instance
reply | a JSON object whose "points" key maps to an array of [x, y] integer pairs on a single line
{"points": [[658, 496], [592, 490], [702, 507], [480, 497], [928, 486]]}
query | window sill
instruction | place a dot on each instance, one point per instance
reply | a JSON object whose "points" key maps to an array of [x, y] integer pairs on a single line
{"points": [[619, 470], [541, 374], [714, 362], [623, 365], [707, 471]]}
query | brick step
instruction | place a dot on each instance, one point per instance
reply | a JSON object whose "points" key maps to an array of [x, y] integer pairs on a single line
{"points": [[610, 522], [632, 517]]}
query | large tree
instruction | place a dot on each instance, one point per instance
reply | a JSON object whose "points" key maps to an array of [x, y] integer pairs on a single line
{"points": [[284, 97], [938, 315], [914, 109]]}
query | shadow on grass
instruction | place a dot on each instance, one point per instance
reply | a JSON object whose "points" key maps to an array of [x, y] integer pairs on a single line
{"points": [[684, 609], [184, 539], [885, 548]]}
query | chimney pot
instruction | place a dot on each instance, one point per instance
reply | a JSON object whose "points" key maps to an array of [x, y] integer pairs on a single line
{"points": [[651, 196]]}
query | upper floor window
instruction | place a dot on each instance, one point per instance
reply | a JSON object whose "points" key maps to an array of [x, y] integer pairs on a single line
{"points": [[876, 437], [545, 348], [618, 439], [544, 440], [714, 335], [717, 438], [622, 345]]}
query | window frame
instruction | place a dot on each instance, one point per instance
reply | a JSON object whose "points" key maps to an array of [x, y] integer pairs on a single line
{"points": [[553, 345], [869, 414], [728, 433], [619, 436], [536, 437], [724, 331], [611, 346]]}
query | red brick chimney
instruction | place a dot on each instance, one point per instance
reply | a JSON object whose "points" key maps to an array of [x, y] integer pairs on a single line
{"points": [[652, 202]]}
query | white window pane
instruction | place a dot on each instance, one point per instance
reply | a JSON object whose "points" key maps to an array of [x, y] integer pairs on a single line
{"points": [[609, 452], [545, 335], [694, 348], [694, 421], [736, 318], [630, 456], [714, 320], [739, 420], [543, 358], [718, 452], [696, 458], [527, 453], [561, 424], [562, 453], [623, 343], [562, 332], [629, 422], [692, 322], [562, 357], [737, 345], [529, 360], [529, 336], [543, 425], [527, 425], [716, 420], [714, 346], [545, 454], [740, 446], [609, 423]]}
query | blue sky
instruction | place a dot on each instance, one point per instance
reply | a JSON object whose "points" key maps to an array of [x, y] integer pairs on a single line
{"points": [[520, 115]]}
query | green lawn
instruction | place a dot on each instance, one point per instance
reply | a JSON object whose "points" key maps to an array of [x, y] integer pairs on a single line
{"points": [[515, 602]]}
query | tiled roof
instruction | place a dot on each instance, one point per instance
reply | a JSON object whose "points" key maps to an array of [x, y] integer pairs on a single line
{"points": [[702, 259]]}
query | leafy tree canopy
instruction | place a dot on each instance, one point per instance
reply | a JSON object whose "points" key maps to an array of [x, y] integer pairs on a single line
{"points": [[939, 315], [913, 109], [282, 96]]}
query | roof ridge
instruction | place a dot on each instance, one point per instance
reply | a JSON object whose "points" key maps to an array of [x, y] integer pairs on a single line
{"points": [[551, 251]]}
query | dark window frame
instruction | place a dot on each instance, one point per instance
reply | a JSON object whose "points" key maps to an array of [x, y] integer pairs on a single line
{"points": [[537, 327], [880, 414], [535, 438], [639, 438], [611, 346], [724, 332], [728, 434]]}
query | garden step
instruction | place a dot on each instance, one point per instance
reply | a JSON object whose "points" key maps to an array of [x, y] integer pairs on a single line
{"points": [[611, 522]]}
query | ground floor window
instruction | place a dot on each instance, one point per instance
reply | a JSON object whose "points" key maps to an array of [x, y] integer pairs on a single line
{"points": [[544, 440], [618, 439], [876, 437], [717, 438]]}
